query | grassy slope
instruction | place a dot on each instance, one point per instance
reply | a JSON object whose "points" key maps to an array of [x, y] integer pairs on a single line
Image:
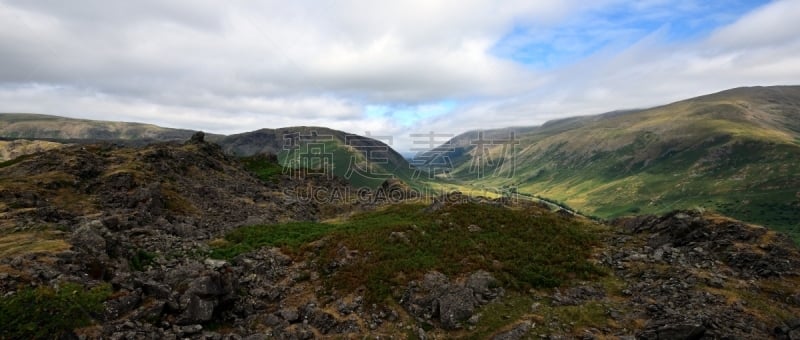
{"points": [[524, 248], [17, 125], [734, 152]]}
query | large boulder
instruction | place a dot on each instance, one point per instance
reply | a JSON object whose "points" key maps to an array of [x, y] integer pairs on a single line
{"points": [[204, 295], [456, 305]]}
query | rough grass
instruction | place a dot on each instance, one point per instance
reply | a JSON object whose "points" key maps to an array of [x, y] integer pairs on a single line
{"points": [[288, 235], [31, 242], [50, 313], [524, 248]]}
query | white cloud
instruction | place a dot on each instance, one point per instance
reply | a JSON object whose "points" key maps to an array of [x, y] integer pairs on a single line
{"points": [[240, 65], [771, 25]]}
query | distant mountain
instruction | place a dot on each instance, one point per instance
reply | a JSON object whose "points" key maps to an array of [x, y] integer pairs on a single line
{"points": [[735, 152], [36, 126], [362, 160]]}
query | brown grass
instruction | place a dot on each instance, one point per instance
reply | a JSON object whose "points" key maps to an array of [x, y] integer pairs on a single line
{"points": [[32, 242]]}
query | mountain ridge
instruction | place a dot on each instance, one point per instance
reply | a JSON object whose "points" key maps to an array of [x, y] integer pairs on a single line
{"points": [[373, 159], [731, 151]]}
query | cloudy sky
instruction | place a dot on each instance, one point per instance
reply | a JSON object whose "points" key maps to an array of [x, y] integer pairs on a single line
{"points": [[387, 68]]}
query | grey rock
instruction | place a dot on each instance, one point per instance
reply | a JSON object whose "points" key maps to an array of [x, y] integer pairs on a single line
{"points": [[272, 320], [516, 333], [681, 331], [421, 334], [197, 310], [191, 329], [155, 289], [205, 286], [793, 323], [149, 311], [434, 280], [456, 306], [473, 228], [794, 334], [481, 282], [322, 321], [475, 319], [121, 305], [211, 336], [89, 239], [289, 314]]}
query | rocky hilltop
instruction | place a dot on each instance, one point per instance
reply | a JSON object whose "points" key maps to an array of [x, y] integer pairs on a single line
{"points": [[179, 240]]}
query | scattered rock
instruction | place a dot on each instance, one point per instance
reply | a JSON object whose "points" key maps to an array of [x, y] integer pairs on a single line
{"points": [[518, 332]]}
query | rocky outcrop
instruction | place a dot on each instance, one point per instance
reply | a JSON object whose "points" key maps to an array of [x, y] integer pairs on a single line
{"points": [[674, 263], [750, 251], [450, 304]]}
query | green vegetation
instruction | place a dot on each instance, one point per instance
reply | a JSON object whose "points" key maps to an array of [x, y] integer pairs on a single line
{"points": [[523, 247], [288, 235], [13, 161], [141, 260], [46, 312], [264, 167]]}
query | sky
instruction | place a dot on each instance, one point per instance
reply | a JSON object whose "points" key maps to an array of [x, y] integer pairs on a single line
{"points": [[384, 68]]}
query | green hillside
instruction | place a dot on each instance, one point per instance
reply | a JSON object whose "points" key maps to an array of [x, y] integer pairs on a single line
{"points": [[363, 161], [735, 152]]}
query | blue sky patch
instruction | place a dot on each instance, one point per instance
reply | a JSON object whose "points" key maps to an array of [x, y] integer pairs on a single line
{"points": [[616, 28], [408, 115]]}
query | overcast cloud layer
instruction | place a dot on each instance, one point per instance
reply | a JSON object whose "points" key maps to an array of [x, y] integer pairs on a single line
{"points": [[387, 68]]}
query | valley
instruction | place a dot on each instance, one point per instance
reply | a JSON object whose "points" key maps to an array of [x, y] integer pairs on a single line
{"points": [[674, 222]]}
